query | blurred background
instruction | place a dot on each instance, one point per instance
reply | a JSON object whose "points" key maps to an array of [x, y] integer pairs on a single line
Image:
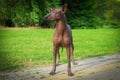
{"points": [[26, 37], [81, 13]]}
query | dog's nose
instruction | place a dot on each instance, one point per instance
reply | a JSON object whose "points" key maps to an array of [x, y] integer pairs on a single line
{"points": [[45, 17]]}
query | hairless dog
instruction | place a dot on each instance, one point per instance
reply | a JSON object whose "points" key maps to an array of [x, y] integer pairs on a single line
{"points": [[62, 37]]}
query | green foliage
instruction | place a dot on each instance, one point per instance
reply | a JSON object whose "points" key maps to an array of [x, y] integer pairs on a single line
{"points": [[93, 13], [80, 14], [30, 48], [28, 14]]}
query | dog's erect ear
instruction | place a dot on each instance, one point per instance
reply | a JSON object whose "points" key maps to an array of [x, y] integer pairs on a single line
{"points": [[64, 8]]}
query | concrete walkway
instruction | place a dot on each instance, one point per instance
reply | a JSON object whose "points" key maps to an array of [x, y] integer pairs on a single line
{"points": [[91, 63]]}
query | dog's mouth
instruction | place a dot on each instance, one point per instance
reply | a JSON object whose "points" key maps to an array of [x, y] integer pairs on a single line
{"points": [[48, 17]]}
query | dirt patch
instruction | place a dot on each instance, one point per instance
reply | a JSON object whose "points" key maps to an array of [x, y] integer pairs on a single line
{"points": [[98, 68], [83, 73]]}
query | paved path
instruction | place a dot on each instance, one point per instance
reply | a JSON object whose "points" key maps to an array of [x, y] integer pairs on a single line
{"points": [[112, 74], [43, 72]]}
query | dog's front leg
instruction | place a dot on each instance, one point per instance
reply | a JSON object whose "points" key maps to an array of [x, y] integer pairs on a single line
{"points": [[54, 61]]}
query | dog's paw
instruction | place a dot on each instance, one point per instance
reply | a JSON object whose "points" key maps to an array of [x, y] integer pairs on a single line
{"points": [[74, 63], [51, 73], [70, 74]]}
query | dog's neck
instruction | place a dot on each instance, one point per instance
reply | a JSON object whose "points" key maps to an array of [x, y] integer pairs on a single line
{"points": [[61, 25]]}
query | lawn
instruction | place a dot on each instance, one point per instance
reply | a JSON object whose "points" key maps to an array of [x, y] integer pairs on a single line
{"points": [[26, 48]]}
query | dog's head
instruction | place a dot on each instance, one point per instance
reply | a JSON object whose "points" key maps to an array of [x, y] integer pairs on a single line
{"points": [[56, 13]]}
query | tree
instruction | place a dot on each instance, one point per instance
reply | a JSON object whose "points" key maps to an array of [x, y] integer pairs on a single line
{"points": [[80, 14]]}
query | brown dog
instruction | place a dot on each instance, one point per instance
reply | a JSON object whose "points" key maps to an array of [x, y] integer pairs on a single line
{"points": [[62, 36]]}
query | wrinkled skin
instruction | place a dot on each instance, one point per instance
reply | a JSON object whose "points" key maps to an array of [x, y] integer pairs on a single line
{"points": [[62, 37]]}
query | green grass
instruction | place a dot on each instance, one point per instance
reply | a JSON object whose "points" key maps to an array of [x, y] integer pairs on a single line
{"points": [[27, 48]]}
